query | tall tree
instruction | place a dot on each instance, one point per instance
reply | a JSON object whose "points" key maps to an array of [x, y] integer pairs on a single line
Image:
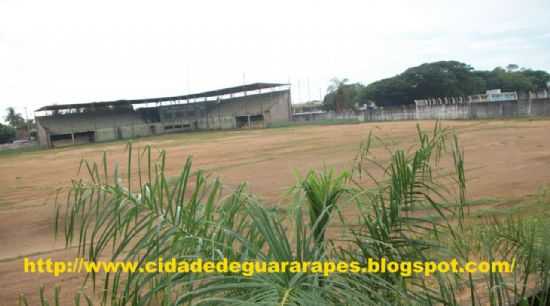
{"points": [[341, 96], [14, 119], [512, 67], [450, 78]]}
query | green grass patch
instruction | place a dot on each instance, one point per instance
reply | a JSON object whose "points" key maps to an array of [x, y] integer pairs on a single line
{"points": [[17, 152]]}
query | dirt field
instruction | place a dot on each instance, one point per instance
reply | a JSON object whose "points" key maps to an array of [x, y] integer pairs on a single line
{"points": [[504, 159]]}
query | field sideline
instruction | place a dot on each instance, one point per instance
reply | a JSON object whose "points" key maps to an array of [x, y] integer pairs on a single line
{"points": [[507, 159]]}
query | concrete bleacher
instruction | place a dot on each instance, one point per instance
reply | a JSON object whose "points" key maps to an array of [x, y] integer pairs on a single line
{"points": [[104, 121], [88, 122], [75, 128]]}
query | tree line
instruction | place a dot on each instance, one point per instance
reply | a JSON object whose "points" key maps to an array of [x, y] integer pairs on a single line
{"points": [[14, 121], [437, 79]]}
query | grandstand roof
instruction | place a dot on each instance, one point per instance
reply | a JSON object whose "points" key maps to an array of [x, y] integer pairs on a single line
{"points": [[206, 94]]}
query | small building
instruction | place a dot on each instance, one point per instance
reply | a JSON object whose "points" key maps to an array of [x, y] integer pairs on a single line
{"points": [[248, 106], [493, 95], [308, 111]]}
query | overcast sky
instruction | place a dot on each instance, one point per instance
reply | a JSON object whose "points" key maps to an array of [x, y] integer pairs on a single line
{"points": [[82, 51]]}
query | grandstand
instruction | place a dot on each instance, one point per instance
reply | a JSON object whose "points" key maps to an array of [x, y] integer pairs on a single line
{"points": [[248, 106]]}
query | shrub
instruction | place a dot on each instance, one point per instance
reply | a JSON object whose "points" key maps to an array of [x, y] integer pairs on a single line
{"points": [[7, 133]]}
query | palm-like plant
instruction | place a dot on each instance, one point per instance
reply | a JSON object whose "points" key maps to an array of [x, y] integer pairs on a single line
{"points": [[187, 219], [322, 193]]}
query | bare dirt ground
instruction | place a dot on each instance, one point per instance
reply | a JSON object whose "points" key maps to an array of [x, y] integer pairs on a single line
{"points": [[504, 159]]}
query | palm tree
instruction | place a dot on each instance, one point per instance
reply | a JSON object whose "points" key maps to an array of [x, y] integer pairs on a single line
{"points": [[337, 88], [336, 84], [14, 119]]}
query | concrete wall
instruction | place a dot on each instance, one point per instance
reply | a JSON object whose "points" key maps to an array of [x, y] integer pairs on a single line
{"points": [[302, 117], [103, 134], [281, 109], [483, 110], [106, 134], [405, 112], [43, 138], [85, 122], [274, 106], [220, 122]]}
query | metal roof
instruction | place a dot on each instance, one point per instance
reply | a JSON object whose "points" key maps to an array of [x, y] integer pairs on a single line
{"points": [[206, 94]]}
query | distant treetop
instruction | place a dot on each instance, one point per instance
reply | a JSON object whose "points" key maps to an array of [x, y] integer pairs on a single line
{"points": [[437, 79]]}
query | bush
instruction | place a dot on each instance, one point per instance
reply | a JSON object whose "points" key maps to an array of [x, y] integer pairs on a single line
{"points": [[7, 133]]}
